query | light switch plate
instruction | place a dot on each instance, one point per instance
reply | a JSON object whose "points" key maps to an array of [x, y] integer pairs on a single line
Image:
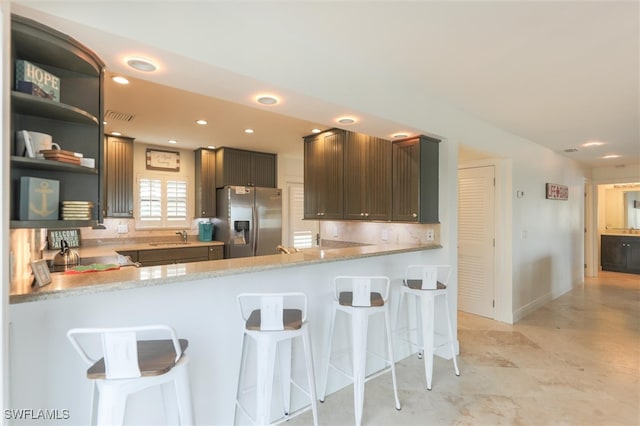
{"points": [[122, 229], [430, 235]]}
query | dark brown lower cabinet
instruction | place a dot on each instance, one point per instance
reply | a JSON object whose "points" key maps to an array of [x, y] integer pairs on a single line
{"points": [[620, 253], [166, 256]]}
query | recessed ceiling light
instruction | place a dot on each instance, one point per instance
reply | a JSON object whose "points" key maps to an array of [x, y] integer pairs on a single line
{"points": [[201, 122], [173, 141], [316, 131], [248, 130], [400, 135], [346, 120], [141, 64], [120, 79], [593, 143], [267, 100], [612, 156], [116, 133], [211, 147]]}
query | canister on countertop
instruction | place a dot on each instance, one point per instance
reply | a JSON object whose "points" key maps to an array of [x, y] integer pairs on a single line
{"points": [[205, 231]]}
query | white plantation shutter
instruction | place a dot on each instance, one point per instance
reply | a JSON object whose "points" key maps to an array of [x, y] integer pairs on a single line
{"points": [[176, 200], [150, 199], [302, 232], [163, 202]]}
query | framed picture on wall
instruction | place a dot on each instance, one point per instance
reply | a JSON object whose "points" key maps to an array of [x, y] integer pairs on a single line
{"points": [[557, 192]]}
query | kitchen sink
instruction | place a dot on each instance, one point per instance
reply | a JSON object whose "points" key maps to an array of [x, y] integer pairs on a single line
{"points": [[172, 243]]}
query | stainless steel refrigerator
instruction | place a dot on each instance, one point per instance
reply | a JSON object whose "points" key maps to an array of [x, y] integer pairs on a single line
{"points": [[249, 220]]}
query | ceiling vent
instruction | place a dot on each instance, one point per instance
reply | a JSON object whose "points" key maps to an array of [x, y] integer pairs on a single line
{"points": [[118, 116], [571, 150]]}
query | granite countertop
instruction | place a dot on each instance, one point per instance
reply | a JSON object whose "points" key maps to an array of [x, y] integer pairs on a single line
{"points": [[64, 285], [611, 234]]}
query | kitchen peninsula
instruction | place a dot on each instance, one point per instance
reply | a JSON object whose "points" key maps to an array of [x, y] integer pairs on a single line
{"points": [[200, 301]]}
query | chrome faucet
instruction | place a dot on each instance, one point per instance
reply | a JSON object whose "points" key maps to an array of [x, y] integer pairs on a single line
{"points": [[183, 234]]}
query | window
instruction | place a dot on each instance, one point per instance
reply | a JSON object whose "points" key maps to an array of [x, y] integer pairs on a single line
{"points": [[162, 202], [301, 232]]}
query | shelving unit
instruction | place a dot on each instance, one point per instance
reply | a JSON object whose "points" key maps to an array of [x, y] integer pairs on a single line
{"points": [[75, 123]]}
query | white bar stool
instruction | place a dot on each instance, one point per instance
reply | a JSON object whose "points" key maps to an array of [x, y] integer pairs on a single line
{"points": [[273, 320], [425, 283], [360, 297], [127, 365]]}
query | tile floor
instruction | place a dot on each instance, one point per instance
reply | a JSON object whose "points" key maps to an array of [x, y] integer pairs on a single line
{"points": [[575, 361]]}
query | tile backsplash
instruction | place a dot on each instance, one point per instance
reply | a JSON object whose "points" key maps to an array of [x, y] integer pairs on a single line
{"points": [[380, 232]]}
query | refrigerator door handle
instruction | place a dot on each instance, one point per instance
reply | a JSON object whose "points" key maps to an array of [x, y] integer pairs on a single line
{"points": [[255, 229]]}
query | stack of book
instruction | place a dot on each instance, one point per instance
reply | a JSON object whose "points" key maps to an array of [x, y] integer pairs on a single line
{"points": [[77, 210], [61, 155]]}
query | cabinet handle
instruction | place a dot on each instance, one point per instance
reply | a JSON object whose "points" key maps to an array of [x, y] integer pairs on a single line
{"points": [[414, 214], [203, 212], [361, 214], [366, 215]]}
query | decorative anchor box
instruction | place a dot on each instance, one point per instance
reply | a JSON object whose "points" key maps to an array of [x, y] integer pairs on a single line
{"points": [[39, 198], [34, 80]]}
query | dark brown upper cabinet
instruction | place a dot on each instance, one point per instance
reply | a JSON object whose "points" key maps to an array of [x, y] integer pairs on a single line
{"points": [[415, 180], [245, 168], [323, 175], [205, 176], [367, 177], [118, 176], [75, 122]]}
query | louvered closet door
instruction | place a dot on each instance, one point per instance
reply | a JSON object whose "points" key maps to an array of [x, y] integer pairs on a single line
{"points": [[476, 251]]}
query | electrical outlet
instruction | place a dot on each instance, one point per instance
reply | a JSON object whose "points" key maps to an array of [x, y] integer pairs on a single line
{"points": [[385, 235], [430, 235], [122, 229]]}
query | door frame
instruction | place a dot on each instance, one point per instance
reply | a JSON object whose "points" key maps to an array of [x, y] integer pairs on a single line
{"points": [[503, 285]]}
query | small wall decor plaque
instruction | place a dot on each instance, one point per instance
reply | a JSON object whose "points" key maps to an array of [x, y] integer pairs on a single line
{"points": [[557, 192], [71, 236], [163, 160]]}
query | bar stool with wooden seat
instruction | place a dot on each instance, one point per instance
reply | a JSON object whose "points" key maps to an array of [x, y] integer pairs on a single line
{"points": [[425, 283], [126, 365], [273, 321], [361, 297]]}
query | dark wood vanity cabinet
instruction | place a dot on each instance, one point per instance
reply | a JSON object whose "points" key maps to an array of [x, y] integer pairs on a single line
{"points": [[415, 180], [205, 177], [118, 177], [620, 253], [367, 177], [245, 168], [74, 122], [324, 175]]}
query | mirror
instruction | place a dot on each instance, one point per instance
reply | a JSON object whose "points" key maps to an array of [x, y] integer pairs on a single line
{"points": [[622, 209]]}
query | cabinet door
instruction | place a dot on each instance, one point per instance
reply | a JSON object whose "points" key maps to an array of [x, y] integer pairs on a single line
{"points": [[233, 167], [406, 181], [613, 256], [323, 174], [119, 177], [376, 184], [633, 255], [415, 180], [216, 252], [205, 176], [367, 184], [263, 169]]}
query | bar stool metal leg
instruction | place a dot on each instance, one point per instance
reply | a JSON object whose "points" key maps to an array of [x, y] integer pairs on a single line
{"points": [[359, 329], [265, 368]]}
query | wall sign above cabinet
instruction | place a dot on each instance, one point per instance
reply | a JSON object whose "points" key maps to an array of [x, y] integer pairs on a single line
{"points": [[163, 160]]}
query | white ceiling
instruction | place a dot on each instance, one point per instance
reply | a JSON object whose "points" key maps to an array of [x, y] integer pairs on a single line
{"points": [[557, 73]]}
